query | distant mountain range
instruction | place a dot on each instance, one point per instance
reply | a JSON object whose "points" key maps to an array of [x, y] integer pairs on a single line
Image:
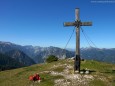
{"points": [[104, 54], [7, 62], [37, 53], [21, 57], [28, 55]]}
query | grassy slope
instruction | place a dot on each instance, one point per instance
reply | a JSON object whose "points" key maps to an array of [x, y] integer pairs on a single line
{"points": [[104, 74]]}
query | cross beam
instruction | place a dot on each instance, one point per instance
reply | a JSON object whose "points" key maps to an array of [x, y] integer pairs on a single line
{"points": [[77, 24]]}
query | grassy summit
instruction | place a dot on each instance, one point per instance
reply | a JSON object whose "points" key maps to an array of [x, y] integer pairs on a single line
{"points": [[60, 73]]}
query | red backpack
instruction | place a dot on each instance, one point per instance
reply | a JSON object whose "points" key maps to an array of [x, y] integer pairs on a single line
{"points": [[35, 77]]}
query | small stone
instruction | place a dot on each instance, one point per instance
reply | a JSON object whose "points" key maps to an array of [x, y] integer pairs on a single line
{"points": [[87, 71], [76, 71], [81, 72]]}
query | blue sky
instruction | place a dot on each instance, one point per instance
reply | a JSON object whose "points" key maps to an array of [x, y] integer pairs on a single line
{"points": [[40, 22]]}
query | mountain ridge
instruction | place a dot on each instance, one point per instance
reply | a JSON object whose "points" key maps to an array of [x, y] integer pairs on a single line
{"points": [[21, 57], [38, 54], [7, 63]]}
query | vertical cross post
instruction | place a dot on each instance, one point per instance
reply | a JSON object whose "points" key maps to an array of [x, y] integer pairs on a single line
{"points": [[77, 54], [77, 24]]}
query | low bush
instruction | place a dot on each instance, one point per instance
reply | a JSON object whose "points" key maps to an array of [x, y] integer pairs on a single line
{"points": [[51, 58]]}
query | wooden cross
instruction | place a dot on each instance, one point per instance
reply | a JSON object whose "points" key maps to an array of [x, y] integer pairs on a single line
{"points": [[77, 24]]}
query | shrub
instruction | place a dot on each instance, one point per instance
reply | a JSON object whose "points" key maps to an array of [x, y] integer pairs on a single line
{"points": [[51, 58]]}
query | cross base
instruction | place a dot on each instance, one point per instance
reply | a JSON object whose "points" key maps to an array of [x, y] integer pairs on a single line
{"points": [[77, 63]]}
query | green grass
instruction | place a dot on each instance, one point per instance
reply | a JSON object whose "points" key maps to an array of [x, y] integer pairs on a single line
{"points": [[97, 66], [101, 69], [19, 77]]}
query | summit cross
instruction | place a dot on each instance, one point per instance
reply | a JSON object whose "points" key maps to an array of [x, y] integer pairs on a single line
{"points": [[77, 24]]}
